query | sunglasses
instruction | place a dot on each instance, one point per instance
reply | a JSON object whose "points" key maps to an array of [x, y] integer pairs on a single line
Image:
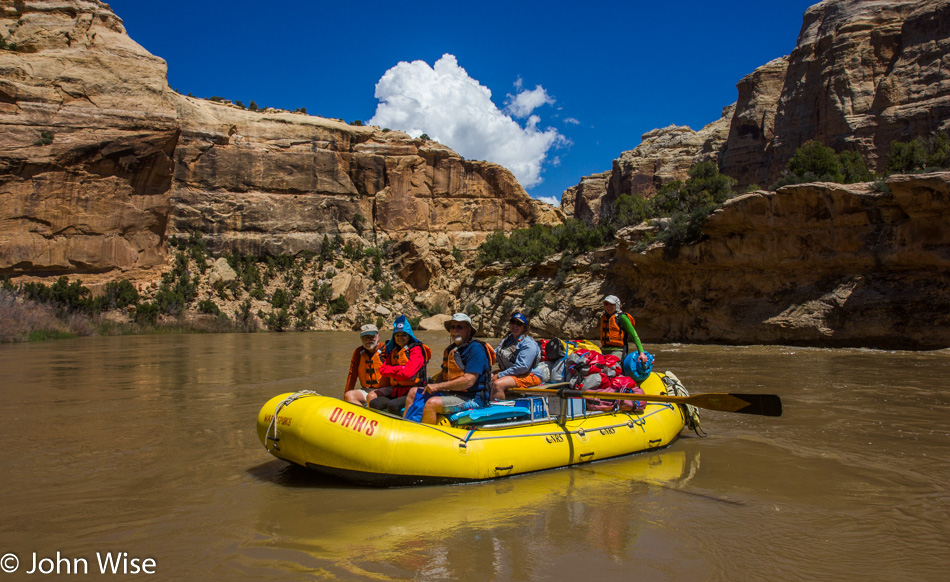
{"points": [[457, 327]]}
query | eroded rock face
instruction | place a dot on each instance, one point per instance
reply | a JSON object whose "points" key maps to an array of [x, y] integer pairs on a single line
{"points": [[666, 155], [100, 163], [752, 127], [865, 73], [85, 149], [815, 264]]}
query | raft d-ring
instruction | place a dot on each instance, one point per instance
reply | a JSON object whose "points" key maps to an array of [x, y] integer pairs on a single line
{"points": [[580, 432]]}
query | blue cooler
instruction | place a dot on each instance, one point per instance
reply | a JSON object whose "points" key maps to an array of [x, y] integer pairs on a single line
{"points": [[538, 406]]}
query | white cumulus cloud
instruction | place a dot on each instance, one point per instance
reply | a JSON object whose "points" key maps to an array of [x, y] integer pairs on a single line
{"points": [[524, 102], [456, 110], [552, 200]]}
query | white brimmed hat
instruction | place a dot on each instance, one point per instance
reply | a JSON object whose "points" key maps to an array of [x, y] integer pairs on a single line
{"points": [[460, 317]]}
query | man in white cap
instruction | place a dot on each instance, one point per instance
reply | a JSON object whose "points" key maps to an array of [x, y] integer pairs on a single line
{"points": [[616, 329], [364, 366], [463, 383]]}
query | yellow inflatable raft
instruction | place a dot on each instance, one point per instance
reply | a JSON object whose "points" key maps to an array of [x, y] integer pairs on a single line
{"points": [[373, 448]]}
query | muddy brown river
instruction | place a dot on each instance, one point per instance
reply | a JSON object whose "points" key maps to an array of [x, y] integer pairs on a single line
{"points": [[140, 455]]}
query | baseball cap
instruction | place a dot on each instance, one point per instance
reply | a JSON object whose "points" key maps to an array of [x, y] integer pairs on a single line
{"points": [[368, 329], [520, 318]]}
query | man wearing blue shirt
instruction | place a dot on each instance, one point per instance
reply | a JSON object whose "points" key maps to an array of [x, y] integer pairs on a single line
{"points": [[463, 383]]}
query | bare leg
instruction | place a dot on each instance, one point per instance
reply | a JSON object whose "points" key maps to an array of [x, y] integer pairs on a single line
{"points": [[355, 397], [431, 410], [500, 385]]}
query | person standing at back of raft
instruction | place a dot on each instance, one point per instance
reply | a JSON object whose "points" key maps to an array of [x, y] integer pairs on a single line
{"points": [[405, 367], [616, 329], [518, 357], [463, 383], [365, 367]]}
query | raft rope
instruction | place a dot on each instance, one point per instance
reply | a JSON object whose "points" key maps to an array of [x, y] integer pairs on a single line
{"points": [[690, 412], [272, 427], [633, 422]]}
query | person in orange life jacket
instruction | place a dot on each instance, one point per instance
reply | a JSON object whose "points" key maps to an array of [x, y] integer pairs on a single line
{"points": [[463, 383], [518, 357], [616, 329], [364, 366], [404, 366]]}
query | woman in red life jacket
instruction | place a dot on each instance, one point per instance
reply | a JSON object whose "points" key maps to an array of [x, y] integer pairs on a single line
{"points": [[616, 329], [404, 366], [365, 367]]}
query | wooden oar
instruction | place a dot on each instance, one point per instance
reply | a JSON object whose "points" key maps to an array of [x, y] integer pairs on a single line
{"points": [[762, 404]]}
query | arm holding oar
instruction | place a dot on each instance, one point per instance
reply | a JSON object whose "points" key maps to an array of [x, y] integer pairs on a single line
{"points": [[761, 404]]}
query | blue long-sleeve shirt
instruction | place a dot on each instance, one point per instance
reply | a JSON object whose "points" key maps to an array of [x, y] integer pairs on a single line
{"points": [[528, 353]]}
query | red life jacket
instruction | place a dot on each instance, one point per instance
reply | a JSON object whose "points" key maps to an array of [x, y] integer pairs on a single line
{"points": [[400, 357]]}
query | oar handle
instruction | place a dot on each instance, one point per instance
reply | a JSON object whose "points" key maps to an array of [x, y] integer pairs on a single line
{"points": [[761, 404]]}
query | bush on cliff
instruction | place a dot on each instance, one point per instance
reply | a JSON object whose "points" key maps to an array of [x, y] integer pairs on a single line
{"points": [[533, 245], [814, 162], [920, 155], [686, 205]]}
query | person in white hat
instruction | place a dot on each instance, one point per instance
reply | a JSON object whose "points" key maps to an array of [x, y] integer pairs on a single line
{"points": [[616, 329], [364, 366], [464, 381]]}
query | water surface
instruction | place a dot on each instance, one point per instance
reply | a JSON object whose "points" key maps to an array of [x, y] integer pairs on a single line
{"points": [[147, 445]]}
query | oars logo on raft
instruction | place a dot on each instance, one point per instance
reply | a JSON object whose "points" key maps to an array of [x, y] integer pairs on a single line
{"points": [[353, 421]]}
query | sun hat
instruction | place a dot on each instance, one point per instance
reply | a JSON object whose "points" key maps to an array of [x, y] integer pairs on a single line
{"points": [[460, 317], [368, 329], [612, 299], [520, 318]]}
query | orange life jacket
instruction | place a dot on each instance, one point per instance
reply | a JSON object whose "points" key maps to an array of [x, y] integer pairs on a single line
{"points": [[611, 334], [400, 357], [452, 361], [368, 369]]}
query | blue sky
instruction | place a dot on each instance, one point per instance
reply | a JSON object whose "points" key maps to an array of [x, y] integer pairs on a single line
{"points": [[571, 84]]}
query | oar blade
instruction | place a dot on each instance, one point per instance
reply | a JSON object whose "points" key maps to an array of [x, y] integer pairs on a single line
{"points": [[760, 404]]}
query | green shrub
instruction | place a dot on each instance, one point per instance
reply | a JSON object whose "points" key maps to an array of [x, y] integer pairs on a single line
{"points": [[814, 162], [277, 320], [919, 155], [338, 305], [322, 292], [359, 223], [387, 291], [120, 294], [533, 245], [280, 299], [46, 138], [147, 313], [208, 306]]}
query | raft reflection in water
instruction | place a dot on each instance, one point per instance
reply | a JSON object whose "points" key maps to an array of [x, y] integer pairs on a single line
{"points": [[458, 532]]}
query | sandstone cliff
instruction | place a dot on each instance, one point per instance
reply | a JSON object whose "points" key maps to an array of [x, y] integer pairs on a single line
{"points": [[101, 162], [863, 73]]}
